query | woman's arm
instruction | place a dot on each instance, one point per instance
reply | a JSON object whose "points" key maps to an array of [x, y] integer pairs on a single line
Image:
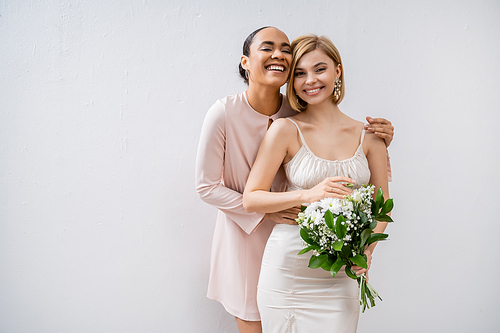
{"points": [[273, 150], [377, 161], [209, 168]]}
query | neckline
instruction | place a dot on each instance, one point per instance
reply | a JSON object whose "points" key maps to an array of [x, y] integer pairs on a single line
{"points": [[308, 150], [304, 144], [274, 116]]}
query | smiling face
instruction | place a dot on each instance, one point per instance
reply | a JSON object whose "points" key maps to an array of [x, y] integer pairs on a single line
{"points": [[269, 60], [315, 65], [314, 77]]}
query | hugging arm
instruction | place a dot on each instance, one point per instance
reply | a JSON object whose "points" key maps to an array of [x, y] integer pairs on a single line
{"points": [[209, 169]]}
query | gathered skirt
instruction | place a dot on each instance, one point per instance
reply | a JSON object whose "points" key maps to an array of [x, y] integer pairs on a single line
{"points": [[293, 298]]}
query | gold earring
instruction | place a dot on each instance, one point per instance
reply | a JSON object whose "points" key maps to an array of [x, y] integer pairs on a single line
{"points": [[336, 90]]}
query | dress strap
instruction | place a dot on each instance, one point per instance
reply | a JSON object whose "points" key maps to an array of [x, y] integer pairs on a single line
{"points": [[298, 129], [362, 136]]}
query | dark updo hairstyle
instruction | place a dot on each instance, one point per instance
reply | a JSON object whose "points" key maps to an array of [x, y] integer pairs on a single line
{"points": [[246, 50]]}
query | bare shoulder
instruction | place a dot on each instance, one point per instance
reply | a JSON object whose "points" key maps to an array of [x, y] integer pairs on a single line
{"points": [[373, 139], [283, 127], [373, 143]]}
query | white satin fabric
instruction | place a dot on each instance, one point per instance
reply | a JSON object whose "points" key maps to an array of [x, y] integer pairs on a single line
{"points": [[306, 170], [292, 297]]}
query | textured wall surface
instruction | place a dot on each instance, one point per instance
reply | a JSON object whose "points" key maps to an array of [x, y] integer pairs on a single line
{"points": [[101, 103]]}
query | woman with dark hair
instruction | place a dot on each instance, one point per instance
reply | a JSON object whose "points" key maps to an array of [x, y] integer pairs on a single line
{"points": [[232, 132]]}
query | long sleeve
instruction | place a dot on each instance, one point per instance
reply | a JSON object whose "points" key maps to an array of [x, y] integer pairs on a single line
{"points": [[209, 171]]}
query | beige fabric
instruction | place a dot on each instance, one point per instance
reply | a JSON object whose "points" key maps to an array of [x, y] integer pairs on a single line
{"points": [[229, 141]]}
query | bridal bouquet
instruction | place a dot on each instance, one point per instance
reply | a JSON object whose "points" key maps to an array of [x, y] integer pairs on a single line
{"points": [[338, 230]]}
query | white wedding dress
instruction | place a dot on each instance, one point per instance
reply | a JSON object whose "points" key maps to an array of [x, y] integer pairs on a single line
{"points": [[292, 297]]}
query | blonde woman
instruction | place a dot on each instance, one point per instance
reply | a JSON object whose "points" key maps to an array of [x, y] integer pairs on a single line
{"points": [[232, 132], [321, 149]]}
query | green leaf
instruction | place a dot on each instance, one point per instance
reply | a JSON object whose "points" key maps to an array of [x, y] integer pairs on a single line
{"points": [[340, 229], [337, 246], [363, 217], [305, 236], [336, 266], [328, 263], [350, 273], [307, 249], [329, 219], [317, 261], [364, 236], [303, 208], [379, 198], [359, 260], [388, 205], [374, 208], [384, 218], [376, 237], [373, 225], [346, 251]]}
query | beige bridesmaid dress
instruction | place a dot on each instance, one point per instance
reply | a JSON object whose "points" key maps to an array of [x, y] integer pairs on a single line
{"points": [[229, 141]]}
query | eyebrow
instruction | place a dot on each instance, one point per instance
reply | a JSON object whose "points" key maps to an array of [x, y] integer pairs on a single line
{"points": [[267, 42], [318, 64]]}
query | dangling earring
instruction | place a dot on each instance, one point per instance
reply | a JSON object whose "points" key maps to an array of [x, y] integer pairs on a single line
{"points": [[336, 90]]}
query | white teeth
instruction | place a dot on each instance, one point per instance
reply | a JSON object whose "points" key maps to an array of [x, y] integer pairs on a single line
{"points": [[313, 91], [276, 68]]}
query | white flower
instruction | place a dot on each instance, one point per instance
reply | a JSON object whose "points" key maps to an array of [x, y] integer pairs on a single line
{"points": [[332, 204], [317, 217], [327, 202], [356, 196], [312, 208]]}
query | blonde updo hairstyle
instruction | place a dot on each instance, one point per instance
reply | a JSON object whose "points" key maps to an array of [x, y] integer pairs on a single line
{"points": [[303, 45]]}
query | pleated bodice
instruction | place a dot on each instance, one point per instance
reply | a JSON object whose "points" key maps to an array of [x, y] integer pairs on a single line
{"points": [[305, 170]]}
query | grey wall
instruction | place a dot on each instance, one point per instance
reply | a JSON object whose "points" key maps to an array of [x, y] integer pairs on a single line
{"points": [[101, 103]]}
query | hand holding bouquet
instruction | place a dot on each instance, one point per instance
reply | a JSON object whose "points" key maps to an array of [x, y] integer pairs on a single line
{"points": [[338, 230]]}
